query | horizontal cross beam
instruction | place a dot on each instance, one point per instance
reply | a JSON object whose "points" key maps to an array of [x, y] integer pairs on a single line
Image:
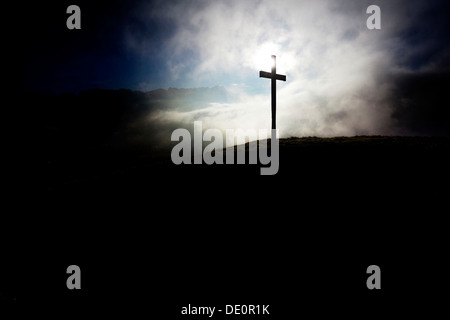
{"points": [[270, 75]]}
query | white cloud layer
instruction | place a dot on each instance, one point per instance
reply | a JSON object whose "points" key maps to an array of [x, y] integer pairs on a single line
{"points": [[337, 70]]}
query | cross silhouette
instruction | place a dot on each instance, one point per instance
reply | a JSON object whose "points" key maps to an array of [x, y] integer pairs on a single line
{"points": [[274, 76]]}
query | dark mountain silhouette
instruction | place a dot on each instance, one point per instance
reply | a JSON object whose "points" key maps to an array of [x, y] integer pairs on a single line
{"points": [[96, 118]]}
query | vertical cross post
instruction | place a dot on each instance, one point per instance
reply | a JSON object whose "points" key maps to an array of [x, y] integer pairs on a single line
{"points": [[274, 92], [274, 77]]}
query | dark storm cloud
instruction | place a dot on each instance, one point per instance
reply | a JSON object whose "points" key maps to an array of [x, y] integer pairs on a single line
{"points": [[422, 103], [56, 59], [422, 81]]}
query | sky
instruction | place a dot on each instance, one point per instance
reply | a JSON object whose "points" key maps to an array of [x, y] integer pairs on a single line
{"points": [[342, 78]]}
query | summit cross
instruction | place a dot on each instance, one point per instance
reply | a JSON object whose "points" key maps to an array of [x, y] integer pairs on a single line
{"points": [[274, 76]]}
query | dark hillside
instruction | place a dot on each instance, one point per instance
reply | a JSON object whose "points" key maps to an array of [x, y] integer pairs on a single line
{"points": [[336, 206]]}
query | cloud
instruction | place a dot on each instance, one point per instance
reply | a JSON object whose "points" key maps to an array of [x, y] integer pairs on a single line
{"points": [[343, 79]]}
